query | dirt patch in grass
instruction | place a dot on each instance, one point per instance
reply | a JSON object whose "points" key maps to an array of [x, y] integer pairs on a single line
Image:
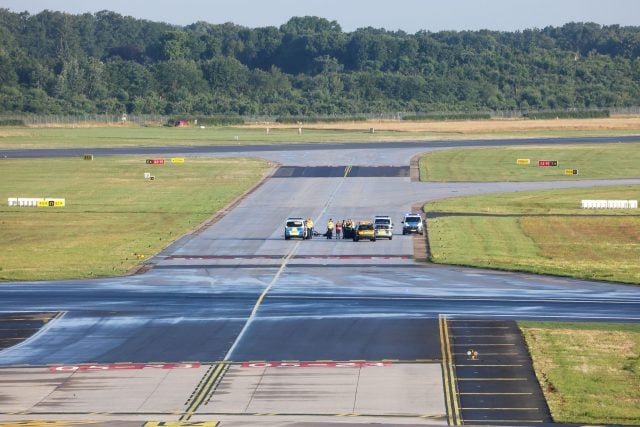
{"points": [[471, 127]]}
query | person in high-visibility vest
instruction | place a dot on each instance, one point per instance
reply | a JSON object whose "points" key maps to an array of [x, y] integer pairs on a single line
{"points": [[330, 229], [309, 224]]}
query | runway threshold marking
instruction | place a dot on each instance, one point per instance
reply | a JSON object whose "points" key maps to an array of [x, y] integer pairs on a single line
{"points": [[448, 373], [205, 389]]}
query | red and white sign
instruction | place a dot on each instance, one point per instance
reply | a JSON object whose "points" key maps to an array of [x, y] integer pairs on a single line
{"points": [[155, 161], [546, 163], [314, 364], [121, 367]]}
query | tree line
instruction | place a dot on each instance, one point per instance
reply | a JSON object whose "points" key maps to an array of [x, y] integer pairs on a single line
{"points": [[59, 63]]}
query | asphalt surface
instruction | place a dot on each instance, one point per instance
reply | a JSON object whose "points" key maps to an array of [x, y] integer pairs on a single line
{"points": [[237, 292]]}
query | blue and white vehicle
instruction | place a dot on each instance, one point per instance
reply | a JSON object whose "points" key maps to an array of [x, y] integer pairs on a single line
{"points": [[412, 223], [295, 227]]}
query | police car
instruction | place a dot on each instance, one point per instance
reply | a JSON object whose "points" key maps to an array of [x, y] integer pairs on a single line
{"points": [[383, 226], [294, 227], [412, 223]]}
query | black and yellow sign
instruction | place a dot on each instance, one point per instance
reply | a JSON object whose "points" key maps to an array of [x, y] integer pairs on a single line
{"points": [[51, 203]]}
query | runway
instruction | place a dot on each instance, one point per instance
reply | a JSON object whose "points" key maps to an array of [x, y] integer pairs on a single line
{"points": [[209, 329]]}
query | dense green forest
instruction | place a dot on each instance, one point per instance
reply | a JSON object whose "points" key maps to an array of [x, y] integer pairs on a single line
{"points": [[57, 63]]}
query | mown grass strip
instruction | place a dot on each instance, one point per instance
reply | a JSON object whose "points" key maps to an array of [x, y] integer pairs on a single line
{"points": [[114, 218], [542, 232], [589, 372], [130, 136], [606, 161], [88, 135]]}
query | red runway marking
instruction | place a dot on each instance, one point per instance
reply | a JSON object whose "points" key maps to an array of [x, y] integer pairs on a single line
{"points": [[121, 366], [314, 364]]}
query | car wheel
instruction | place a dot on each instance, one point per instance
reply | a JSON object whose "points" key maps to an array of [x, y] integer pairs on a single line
{"points": [[390, 237]]}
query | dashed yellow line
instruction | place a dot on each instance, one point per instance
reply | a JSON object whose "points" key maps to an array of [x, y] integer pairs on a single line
{"points": [[454, 387], [205, 389]]}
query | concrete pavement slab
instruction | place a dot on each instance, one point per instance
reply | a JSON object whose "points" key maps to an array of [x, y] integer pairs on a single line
{"points": [[330, 388]]}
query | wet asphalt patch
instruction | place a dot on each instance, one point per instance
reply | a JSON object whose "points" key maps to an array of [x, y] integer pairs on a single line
{"points": [[17, 327], [342, 172], [494, 373]]}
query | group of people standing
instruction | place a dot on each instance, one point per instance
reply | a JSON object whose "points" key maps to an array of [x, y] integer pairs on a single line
{"points": [[337, 227], [332, 227]]}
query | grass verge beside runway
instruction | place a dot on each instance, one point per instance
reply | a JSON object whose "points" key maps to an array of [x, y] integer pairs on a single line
{"points": [[589, 372], [113, 217], [542, 232], [604, 161], [132, 136], [88, 135]]}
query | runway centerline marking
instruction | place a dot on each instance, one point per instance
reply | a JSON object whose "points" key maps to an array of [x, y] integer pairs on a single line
{"points": [[285, 260]]}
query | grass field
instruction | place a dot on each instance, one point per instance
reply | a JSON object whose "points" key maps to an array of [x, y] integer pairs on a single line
{"points": [[606, 161], [95, 135], [114, 217], [542, 232], [589, 372]]}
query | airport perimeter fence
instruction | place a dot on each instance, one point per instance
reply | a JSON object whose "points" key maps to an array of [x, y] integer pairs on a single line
{"points": [[157, 119]]}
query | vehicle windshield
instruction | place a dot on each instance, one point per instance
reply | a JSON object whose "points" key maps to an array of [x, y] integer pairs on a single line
{"points": [[383, 221], [412, 220], [366, 227], [382, 226], [294, 223]]}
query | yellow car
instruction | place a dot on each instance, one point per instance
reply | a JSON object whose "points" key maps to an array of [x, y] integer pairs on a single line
{"points": [[365, 230]]}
